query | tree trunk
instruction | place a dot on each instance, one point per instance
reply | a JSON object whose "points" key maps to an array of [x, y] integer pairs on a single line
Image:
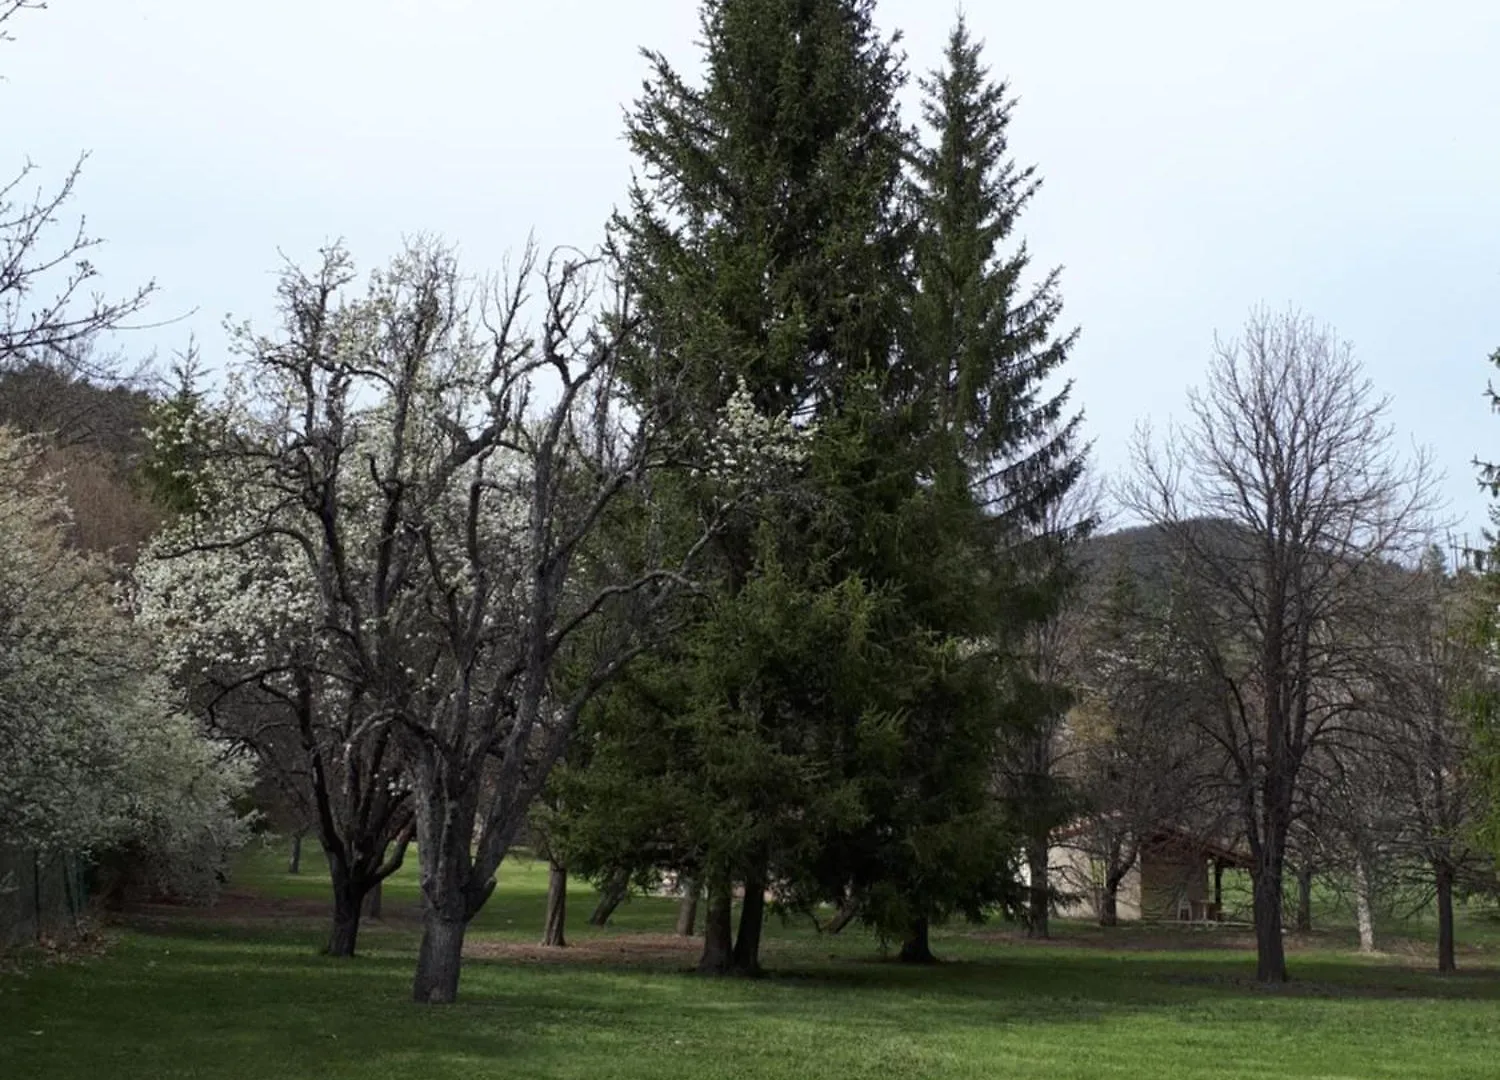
{"points": [[842, 918], [1038, 894], [1304, 900], [1270, 950], [555, 935], [1443, 874], [752, 921], [1109, 904], [616, 886], [348, 899], [374, 900], [1219, 889], [294, 861], [438, 960], [1364, 913], [917, 948], [687, 911], [718, 929]]}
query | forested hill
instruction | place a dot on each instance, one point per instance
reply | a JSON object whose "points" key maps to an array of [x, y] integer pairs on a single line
{"points": [[95, 436]]}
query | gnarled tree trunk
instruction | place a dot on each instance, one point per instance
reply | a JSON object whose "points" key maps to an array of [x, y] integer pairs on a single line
{"points": [[439, 958], [348, 902], [555, 933], [616, 886], [374, 900], [842, 918]]}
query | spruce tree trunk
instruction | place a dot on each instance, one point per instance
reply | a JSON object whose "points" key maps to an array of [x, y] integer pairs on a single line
{"points": [[294, 861], [1038, 893], [616, 886], [1443, 875], [687, 911], [718, 929], [439, 959], [1270, 949], [374, 900], [1304, 900], [555, 933], [752, 921], [917, 948], [1364, 913]]}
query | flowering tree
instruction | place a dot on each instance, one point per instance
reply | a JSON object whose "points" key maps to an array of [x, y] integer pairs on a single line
{"points": [[96, 757], [398, 551]]}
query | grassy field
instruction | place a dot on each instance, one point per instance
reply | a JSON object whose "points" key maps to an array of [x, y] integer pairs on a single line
{"points": [[240, 992]]}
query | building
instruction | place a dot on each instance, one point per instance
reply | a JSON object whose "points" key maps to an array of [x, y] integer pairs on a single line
{"points": [[1176, 877]]}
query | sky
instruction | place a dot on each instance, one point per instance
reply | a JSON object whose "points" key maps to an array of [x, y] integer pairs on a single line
{"points": [[1200, 159]]}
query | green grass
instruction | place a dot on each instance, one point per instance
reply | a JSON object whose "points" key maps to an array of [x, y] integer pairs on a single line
{"points": [[242, 994]]}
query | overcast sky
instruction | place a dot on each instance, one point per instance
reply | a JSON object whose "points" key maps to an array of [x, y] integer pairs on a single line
{"points": [[1200, 158]]}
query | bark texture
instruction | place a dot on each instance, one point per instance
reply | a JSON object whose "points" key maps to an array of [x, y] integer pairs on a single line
{"points": [[1270, 949], [1304, 900], [438, 960], [1364, 910], [611, 896], [1109, 905], [687, 911], [752, 921], [1038, 894], [555, 932], [1447, 960], [717, 957]]}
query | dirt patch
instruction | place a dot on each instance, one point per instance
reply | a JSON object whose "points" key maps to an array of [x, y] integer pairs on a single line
{"points": [[625, 949], [1129, 939]]}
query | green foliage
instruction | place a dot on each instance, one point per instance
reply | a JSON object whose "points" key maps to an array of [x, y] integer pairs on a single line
{"points": [[831, 717], [178, 435], [1484, 702]]}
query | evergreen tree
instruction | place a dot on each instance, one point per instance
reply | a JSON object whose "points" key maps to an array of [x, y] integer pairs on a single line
{"points": [[828, 723], [995, 454], [764, 246]]}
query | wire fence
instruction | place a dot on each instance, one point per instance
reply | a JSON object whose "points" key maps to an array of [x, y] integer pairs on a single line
{"points": [[42, 895]]}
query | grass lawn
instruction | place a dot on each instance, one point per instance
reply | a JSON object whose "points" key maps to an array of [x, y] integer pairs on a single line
{"points": [[240, 992]]}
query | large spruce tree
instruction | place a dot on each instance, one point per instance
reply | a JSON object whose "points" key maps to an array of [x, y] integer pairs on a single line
{"points": [[991, 427], [764, 243], [827, 723]]}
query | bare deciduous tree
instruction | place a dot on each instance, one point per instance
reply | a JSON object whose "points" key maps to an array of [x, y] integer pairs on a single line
{"points": [[48, 309], [1280, 498], [420, 487], [1438, 667]]}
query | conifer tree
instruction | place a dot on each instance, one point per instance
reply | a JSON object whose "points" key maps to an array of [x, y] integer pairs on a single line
{"points": [[828, 723], [763, 243], [990, 349]]}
